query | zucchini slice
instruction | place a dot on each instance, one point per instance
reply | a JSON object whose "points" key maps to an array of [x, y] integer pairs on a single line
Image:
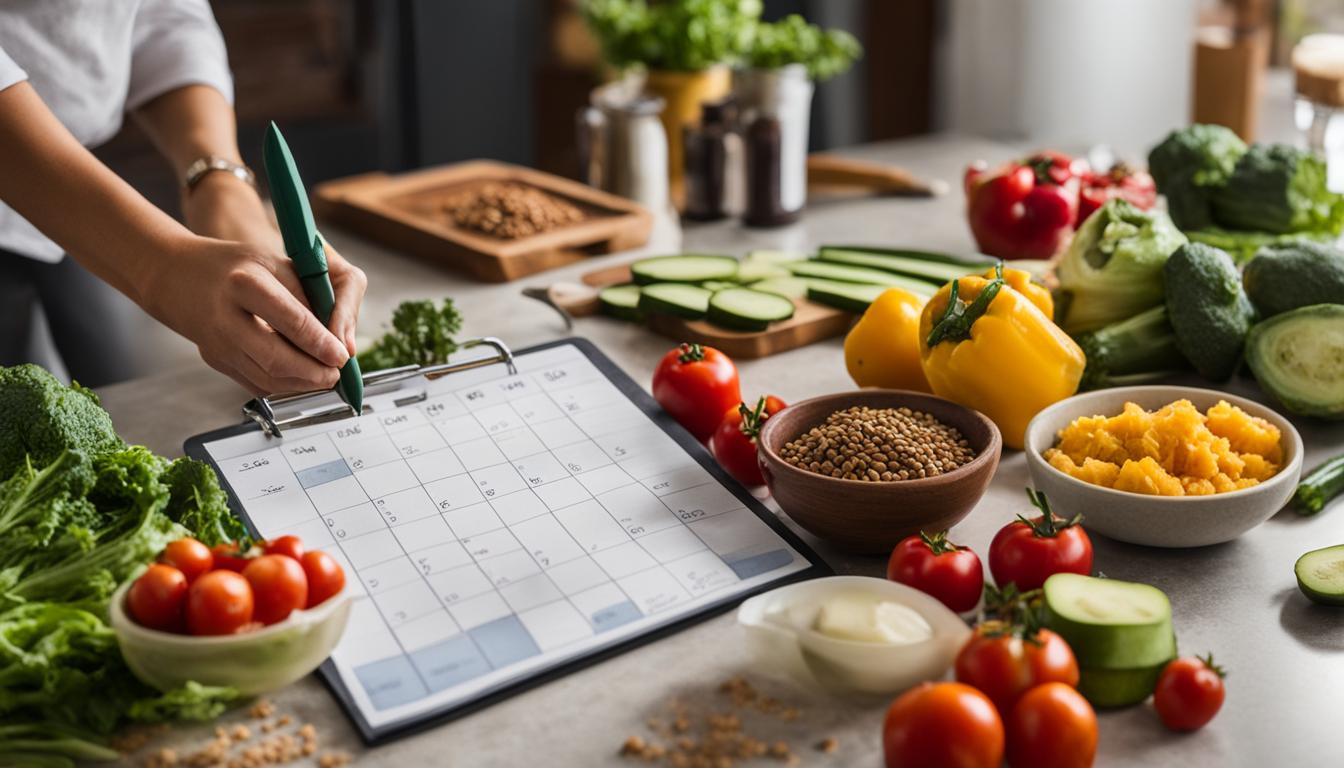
{"points": [[1320, 575], [911, 263], [745, 309], [751, 271], [1298, 357], [1110, 624], [688, 301], [690, 268], [718, 285], [788, 287], [850, 297], [863, 275], [977, 261], [775, 257], [620, 301], [1110, 688]]}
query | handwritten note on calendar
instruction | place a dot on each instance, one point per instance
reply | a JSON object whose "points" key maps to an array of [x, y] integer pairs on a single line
{"points": [[501, 527]]}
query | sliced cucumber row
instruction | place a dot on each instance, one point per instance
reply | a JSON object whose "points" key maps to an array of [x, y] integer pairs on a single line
{"points": [[748, 310], [916, 264], [621, 302], [863, 275], [977, 261], [693, 268], [688, 301], [788, 287]]}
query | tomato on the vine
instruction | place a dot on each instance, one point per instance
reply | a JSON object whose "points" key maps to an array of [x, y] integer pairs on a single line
{"points": [[931, 563], [219, 603], [1026, 551], [1052, 726], [279, 587], [942, 724], [734, 442], [189, 556], [158, 597], [229, 556], [696, 385], [1005, 661], [1189, 693]]}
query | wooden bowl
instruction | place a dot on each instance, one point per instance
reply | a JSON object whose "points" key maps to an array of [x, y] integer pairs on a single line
{"points": [[870, 517]]}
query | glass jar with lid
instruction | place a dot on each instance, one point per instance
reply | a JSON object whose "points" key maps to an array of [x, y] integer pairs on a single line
{"points": [[1318, 66]]}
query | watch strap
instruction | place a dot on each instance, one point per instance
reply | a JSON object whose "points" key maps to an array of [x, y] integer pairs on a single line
{"points": [[205, 165]]}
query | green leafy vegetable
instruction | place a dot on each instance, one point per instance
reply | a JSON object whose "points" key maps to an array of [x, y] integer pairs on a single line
{"points": [[1137, 350], [1113, 268], [192, 701], [421, 334], [197, 503], [1208, 309], [40, 417], [792, 40], [1243, 245], [1319, 486], [1189, 165], [677, 35], [1279, 189]]}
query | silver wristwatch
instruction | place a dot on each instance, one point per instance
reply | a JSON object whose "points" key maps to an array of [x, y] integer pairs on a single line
{"points": [[204, 165]]}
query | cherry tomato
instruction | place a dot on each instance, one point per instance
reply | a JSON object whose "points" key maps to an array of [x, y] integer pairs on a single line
{"points": [[1052, 726], [219, 603], [1027, 552], [229, 557], [696, 385], [1189, 693], [289, 546], [734, 442], [949, 725], [279, 587], [158, 597], [1004, 665], [325, 577], [189, 556], [932, 564]]}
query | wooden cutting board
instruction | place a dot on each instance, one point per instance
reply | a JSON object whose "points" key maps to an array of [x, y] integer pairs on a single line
{"points": [[405, 212], [811, 322]]}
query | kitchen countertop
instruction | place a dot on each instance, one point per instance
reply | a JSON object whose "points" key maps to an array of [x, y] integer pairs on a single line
{"points": [[1238, 599]]}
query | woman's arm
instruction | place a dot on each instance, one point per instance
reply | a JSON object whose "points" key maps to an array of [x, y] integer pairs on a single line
{"points": [[238, 302]]}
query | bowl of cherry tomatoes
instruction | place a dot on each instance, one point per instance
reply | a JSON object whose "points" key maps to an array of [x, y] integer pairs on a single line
{"points": [[255, 619]]}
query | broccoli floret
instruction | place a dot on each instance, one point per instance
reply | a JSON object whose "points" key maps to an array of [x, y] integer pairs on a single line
{"points": [[1189, 165], [1133, 351], [196, 502], [1280, 189], [421, 335], [1208, 309], [40, 418]]}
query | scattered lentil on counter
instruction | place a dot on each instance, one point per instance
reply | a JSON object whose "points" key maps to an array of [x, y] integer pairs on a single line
{"points": [[879, 445], [234, 746], [509, 210]]}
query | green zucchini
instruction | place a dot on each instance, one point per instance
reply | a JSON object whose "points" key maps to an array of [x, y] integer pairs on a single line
{"points": [[845, 273], [751, 271], [977, 261], [621, 301], [689, 268], [911, 263], [688, 301], [1319, 486], [1110, 624], [1109, 688], [1320, 575], [775, 257], [850, 297], [1298, 357], [744, 309], [718, 285], [788, 287]]}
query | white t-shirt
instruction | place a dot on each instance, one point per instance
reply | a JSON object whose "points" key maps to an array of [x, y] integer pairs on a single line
{"points": [[93, 60]]}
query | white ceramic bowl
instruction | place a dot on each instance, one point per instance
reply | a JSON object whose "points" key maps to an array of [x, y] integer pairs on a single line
{"points": [[1159, 521], [780, 631], [254, 662]]}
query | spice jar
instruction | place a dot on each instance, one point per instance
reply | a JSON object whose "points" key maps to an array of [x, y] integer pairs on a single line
{"points": [[1318, 64], [713, 164]]}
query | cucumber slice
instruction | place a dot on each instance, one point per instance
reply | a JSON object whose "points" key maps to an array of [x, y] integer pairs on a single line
{"points": [[1320, 575], [850, 297], [1118, 687], [977, 261], [911, 263], [688, 301], [849, 274], [1298, 357], [746, 310], [775, 257], [788, 287], [718, 285], [620, 301], [751, 271], [690, 268], [1109, 623]]}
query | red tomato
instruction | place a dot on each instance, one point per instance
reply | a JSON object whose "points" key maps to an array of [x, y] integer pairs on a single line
{"points": [[279, 587], [189, 556], [1052, 726], [158, 597], [1027, 552], [1189, 693], [734, 442], [289, 546], [948, 725], [932, 564], [696, 385], [325, 577], [219, 603], [229, 557], [1003, 665]]}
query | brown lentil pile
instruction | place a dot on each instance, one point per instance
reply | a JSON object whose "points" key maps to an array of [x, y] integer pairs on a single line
{"points": [[879, 445], [509, 210], [235, 746]]}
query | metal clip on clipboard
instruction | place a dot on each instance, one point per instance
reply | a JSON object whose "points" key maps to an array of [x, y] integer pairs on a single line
{"points": [[302, 409]]}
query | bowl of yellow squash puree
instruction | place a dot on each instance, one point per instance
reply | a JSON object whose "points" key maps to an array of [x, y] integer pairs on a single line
{"points": [[1164, 466]]}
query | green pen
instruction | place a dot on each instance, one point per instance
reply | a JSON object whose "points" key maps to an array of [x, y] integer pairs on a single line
{"points": [[304, 247]]}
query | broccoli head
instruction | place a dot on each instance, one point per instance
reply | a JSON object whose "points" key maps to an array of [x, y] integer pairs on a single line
{"points": [[1208, 309], [1189, 165], [1280, 189], [40, 418], [197, 503]]}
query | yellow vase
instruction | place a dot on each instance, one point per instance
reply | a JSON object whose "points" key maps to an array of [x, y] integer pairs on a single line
{"points": [[684, 93]]}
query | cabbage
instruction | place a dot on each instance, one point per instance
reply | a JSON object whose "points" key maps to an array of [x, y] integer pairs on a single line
{"points": [[1113, 268]]}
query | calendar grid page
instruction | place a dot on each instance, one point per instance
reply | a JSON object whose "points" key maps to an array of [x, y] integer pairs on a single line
{"points": [[500, 527]]}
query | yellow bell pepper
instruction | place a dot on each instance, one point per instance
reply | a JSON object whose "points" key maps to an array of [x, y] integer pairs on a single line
{"points": [[987, 346], [1020, 281], [882, 349]]}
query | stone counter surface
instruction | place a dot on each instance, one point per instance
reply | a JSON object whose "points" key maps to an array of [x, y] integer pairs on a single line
{"points": [[1285, 655]]}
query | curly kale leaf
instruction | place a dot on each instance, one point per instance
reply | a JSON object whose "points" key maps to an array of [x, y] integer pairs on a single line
{"points": [[197, 503], [421, 334]]}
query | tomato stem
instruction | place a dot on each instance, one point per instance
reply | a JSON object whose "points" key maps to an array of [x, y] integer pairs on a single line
{"points": [[1048, 527], [938, 543], [752, 418], [1208, 662], [691, 353]]}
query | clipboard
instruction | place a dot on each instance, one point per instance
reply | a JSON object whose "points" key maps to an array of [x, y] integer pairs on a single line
{"points": [[655, 437]]}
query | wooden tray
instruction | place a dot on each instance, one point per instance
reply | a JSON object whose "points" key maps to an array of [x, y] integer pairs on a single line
{"points": [[811, 322], [402, 212]]}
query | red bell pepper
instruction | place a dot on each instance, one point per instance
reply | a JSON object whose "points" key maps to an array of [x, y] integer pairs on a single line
{"points": [[1025, 209], [1121, 181]]}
